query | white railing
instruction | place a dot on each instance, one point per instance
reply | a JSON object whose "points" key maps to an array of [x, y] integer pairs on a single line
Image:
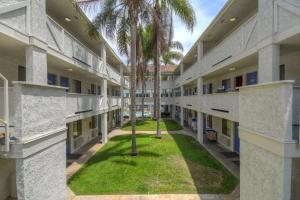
{"points": [[113, 75], [240, 40], [114, 103], [224, 105], [5, 119], [191, 73], [190, 102], [61, 40], [81, 103]]}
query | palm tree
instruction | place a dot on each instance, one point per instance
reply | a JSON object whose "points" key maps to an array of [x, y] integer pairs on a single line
{"points": [[164, 9], [117, 18]]}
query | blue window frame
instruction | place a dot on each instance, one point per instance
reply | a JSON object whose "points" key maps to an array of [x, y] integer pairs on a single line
{"points": [[251, 78], [51, 79], [64, 81]]}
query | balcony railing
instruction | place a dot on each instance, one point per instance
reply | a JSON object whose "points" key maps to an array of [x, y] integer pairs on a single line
{"points": [[114, 103], [64, 42], [113, 75], [190, 102], [84, 103], [224, 105], [238, 42]]}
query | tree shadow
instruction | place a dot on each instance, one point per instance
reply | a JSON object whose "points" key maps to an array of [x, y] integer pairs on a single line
{"points": [[203, 167]]}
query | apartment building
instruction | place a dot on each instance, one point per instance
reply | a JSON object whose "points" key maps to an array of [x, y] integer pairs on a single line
{"points": [[60, 89], [167, 78], [239, 85]]}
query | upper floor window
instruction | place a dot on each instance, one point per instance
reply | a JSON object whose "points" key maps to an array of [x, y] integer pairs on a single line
{"points": [[64, 82], [77, 86], [52, 79], [21, 73], [251, 78], [93, 89], [226, 85]]}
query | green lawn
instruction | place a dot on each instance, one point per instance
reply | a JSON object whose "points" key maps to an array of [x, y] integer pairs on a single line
{"points": [[174, 164], [150, 125]]}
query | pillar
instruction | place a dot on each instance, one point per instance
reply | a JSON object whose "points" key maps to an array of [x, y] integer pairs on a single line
{"points": [[200, 127], [200, 85], [104, 127], [36, 57], [268, 63], [200, 56], [181, 117]]}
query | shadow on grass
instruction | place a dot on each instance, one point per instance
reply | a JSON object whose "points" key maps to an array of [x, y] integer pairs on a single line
{"points": [[196, 154]]}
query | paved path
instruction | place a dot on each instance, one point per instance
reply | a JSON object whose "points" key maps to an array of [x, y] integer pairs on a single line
{"points": [[74, 167]]}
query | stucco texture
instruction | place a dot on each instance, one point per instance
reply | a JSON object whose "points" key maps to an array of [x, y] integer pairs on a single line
{"points": [[42, 175]]}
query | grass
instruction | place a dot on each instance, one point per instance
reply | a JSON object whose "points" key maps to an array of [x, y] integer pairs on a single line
{"points": [[174, 164], [150, 125]]}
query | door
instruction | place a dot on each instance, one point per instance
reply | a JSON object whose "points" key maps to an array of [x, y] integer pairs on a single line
{"points": [[238, 81], [236, 137]]}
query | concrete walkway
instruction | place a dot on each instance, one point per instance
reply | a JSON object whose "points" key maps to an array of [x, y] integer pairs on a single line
{"points": [[75, 167]]}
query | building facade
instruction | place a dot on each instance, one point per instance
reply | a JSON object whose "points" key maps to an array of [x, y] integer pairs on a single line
{"points": [[240, 84], [59, 90]]}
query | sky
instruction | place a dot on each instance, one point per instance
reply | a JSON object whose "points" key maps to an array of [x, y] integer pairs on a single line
{"points": [[205, 11]]}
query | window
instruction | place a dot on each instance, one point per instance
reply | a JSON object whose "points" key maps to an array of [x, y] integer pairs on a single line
{"points": [[210, 88], [251, 78], [77, 86], [226, 84], [204, 89], [64, 82], [99, 90], [282, 72], [93, 123], [93, 89], [209, 121], [225, 127], [21, 73], [51, 79], [77, 128]]}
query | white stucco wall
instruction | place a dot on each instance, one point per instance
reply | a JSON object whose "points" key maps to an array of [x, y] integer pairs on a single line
{"points": [[261, 174], [42, 175]]}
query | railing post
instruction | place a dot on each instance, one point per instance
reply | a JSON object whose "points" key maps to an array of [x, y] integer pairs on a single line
{"points": [[6, 115]]}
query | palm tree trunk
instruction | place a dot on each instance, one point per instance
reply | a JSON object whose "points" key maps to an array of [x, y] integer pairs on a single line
{"points": [[158, 101], [155, 89], [133, 32], [143, 91]]}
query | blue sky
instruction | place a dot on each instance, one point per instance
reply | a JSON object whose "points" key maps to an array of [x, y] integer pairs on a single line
{"points": [[205, 11]]}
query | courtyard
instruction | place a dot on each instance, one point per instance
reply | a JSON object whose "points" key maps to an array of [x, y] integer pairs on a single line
{"points": [[176, 164]]}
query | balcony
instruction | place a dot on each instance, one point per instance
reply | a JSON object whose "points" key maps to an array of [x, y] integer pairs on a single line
{"points": [[223, 105], [84, 104], [190, 74], [190, 102], [113, 75], [240, 43], [114, 103]]}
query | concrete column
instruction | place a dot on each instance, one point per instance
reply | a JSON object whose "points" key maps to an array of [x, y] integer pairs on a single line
{"points": [[200, 127], [104, 127], [103, 53], [200, 56], [200, 85], [36, 57], [265, 21], [268, 63], [122, 94], [181, 116]]}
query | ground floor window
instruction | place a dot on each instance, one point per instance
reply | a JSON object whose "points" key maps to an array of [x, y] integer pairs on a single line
{"points": [[77, 128], [225, 127], [93, 123]]}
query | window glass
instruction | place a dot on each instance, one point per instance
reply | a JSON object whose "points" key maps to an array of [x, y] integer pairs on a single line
{"points": [[77, 128], [21, 73], [77, 86], [51, 79], [225, 127], [252, 78]]}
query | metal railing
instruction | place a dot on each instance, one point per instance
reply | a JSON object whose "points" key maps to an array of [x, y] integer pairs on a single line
{"points": [[5, 119]]}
